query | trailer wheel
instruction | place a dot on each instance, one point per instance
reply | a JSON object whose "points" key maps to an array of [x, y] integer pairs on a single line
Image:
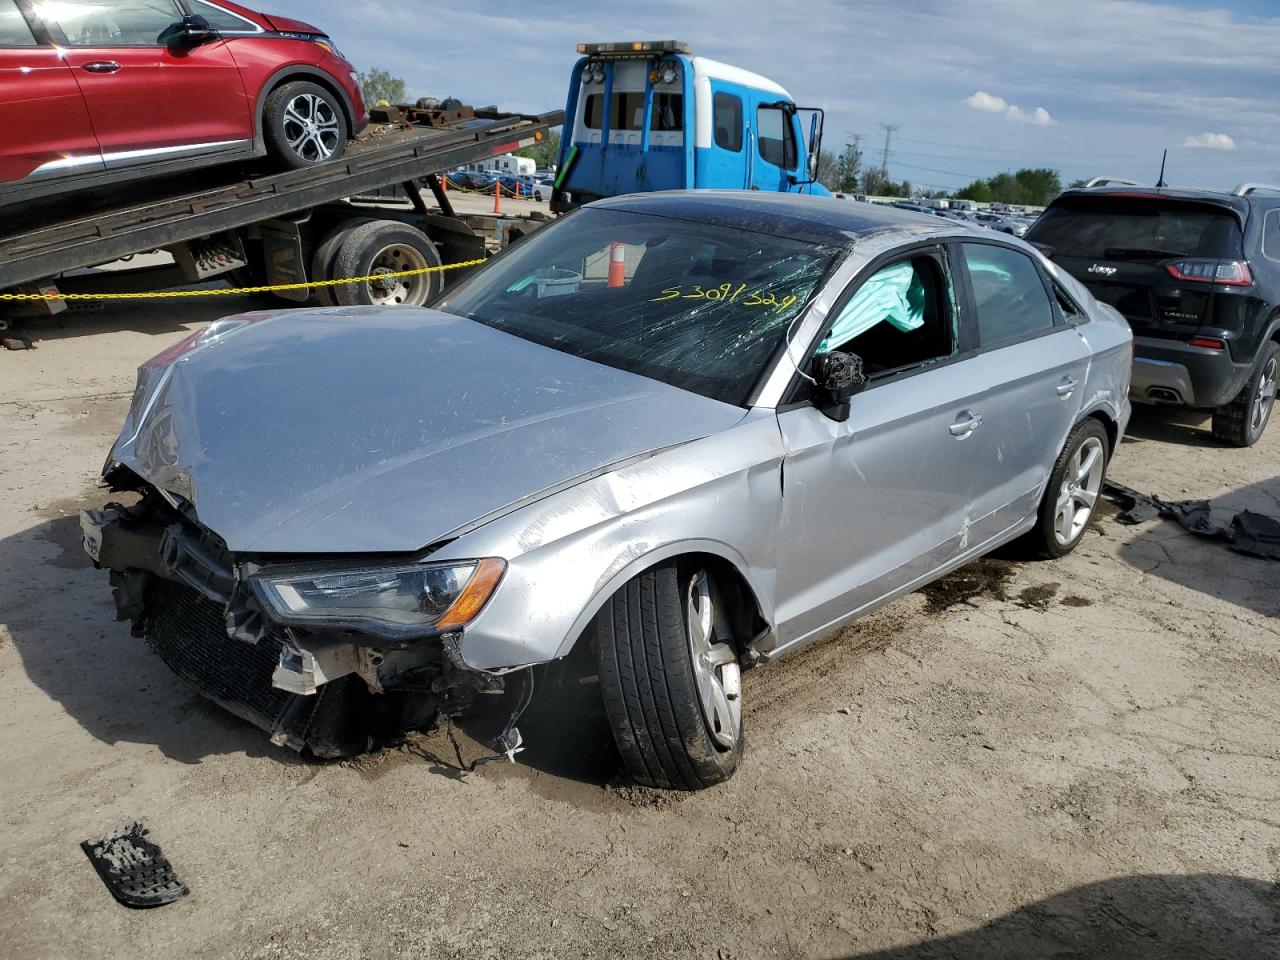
{"points": [[387, 247], [303, 125], [322, 261]]}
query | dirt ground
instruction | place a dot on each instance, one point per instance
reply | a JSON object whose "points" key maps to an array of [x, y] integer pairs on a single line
{"points": [[1072, 759]]}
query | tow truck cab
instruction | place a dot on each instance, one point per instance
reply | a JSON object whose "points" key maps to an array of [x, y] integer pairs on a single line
{"points": [[648, 115]]}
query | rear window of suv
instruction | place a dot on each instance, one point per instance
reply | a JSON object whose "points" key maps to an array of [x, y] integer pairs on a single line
{"points": [[1135, 228]]}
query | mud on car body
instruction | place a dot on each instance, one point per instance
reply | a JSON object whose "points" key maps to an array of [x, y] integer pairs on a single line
{"points": [[691, 431]]}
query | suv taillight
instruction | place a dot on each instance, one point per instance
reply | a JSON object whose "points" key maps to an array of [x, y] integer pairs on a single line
{"points": [[1231, 273]]}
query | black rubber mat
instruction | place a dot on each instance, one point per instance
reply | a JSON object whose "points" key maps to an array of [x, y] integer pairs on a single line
{"points": [[133, 868]]}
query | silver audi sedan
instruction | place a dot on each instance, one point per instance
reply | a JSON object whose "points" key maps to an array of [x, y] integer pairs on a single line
{"points": [[692, 431]]}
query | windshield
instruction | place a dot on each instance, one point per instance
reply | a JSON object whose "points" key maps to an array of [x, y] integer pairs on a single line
{"points": [[1135, 228], [699, 306]]}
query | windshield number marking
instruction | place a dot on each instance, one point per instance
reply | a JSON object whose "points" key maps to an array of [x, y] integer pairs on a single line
{"points": [[726, 291]]}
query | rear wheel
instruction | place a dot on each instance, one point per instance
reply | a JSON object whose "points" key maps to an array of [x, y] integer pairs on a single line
{"points": [[322, 261], [303, 125], [1241, 422], [1072, 494], [670, 678], [382, 249]]}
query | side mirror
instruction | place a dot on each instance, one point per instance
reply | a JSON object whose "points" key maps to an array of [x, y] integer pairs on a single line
{"points": [[839, 378], [195, 29], [813, 166]]}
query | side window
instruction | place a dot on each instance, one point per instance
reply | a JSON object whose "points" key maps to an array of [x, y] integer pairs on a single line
{"points": [[900, 317], [1070, 309], [1009, 295], [224, 21], [1271, 236], [777, 139], [593, 111], [668, 112], [14, 31], [113, 23], [726, 118]]}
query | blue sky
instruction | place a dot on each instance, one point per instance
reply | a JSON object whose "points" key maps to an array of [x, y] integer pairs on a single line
{"points": [[1090, 87]]}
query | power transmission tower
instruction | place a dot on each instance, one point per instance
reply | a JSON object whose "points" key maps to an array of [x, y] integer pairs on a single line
{"points": [[888, 129]]}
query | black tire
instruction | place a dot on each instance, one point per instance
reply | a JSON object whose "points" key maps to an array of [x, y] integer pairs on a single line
{"points": [[1043, 538], [1241, 422], [649, 689], [326, 253], [281, 128], [386, 245]]}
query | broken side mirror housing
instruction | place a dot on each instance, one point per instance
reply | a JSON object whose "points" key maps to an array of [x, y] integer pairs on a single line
{"points": [[838, 378]]}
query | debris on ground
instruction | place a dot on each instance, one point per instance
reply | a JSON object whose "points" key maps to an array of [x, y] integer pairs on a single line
{"points": [[133, 868], [1248, 531], [15, 343]]}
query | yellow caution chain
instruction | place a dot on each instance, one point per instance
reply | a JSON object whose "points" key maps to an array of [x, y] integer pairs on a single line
{"points": [[230, 291]]}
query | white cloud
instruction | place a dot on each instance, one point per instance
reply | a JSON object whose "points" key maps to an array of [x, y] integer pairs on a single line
{"points": [[990, 103], [1210, 141], [986, 102]]}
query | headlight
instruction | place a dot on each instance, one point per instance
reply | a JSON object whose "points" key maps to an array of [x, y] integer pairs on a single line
{"points": [[399, 601]]}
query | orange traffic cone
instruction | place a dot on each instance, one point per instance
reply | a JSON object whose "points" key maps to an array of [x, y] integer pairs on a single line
{"points": [[444, 184], [497, 196], [517, 189], [617, 264]]}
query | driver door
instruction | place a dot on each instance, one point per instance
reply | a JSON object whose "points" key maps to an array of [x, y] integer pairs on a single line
{"points": [[149, 93]]}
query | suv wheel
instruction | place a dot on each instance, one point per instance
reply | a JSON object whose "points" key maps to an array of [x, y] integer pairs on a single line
{"points": [[1241, 422], [670, 678], [303, 125], [1072, 494]]}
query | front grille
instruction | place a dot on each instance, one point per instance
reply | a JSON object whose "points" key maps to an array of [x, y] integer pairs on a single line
{"points": [[187, 630]]}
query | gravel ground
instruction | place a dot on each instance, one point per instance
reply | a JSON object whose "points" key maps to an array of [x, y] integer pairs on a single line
{"points": [[1071, 759]]}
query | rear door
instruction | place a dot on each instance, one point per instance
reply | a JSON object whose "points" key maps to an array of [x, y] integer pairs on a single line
{"points": [[46, 129], [1035, 366], [1121, 247], [149, 93]]}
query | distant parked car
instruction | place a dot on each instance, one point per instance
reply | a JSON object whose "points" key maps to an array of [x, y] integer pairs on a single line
{"points": [[1000, 223], [1197, 275], [100, 91], [782, 412]]}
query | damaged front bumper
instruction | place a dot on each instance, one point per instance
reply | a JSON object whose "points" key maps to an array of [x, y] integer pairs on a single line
{"points": [[327, 692]]}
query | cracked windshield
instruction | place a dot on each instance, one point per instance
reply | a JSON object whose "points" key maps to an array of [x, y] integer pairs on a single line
{"points": [[698, 306]]}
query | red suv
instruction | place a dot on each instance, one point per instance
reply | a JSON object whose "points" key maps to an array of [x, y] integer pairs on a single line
{"points": [[98, 91]]}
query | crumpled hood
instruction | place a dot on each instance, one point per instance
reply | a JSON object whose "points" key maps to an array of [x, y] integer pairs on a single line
{"points": [[382, 429]]}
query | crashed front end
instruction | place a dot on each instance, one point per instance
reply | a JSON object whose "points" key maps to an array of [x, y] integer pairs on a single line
{"points": [[329, 658]]}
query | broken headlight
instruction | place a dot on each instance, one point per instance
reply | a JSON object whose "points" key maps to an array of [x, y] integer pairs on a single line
{"points": [[394, 601]]}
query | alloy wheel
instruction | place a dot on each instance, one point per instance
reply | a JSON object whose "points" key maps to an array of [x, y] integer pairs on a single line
{"points": [[1079, 491], [311, 127], [1265, 398], [715, 666]]}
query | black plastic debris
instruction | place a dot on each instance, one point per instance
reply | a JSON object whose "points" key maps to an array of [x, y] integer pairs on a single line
{"points": [[1248, 532], [133, 868]]}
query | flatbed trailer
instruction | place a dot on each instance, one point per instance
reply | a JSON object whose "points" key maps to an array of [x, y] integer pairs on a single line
{"points": [[282, 227]]}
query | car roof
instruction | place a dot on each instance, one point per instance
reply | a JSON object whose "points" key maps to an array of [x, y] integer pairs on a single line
{"points": [[1240, 204], [821, 220]]}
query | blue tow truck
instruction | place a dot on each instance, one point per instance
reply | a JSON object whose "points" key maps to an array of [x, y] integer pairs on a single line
{"points": [[649, 115]]}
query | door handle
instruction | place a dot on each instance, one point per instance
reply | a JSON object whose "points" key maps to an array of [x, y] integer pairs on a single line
{"points": [[963, 427], [101, 66], [1067, 387]]}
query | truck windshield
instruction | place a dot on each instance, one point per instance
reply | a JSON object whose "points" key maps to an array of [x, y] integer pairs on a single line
{"points": [[1137, 228], [699, 306]]}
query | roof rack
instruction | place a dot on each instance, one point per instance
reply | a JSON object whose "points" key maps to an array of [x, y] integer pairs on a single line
{"points": [[1112, 182], [1244, 189]]}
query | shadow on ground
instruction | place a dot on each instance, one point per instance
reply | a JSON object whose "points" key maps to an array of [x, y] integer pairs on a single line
{"points": [[1157, 917], [1170, 425]]}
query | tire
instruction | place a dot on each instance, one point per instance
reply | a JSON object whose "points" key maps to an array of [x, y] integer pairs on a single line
{"points": [[1047, 537], [386, 246], [1241, 422], [322, 260], [303, 125], [647, 678]]}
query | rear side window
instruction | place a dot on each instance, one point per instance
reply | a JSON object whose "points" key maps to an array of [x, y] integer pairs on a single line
{"points": [[777, 139], [224, 21], [113, 23], [1010, 297], [14, 31], [593, 111], [726, 117], [1271, 236], [1123, 228]]}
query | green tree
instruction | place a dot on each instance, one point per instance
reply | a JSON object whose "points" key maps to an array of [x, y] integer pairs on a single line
{"points": [[1076, 184], [381, 85], [546, 152], [978, 190], [827, 175], [848, 168]]}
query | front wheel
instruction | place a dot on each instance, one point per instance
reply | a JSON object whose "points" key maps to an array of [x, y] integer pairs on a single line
{"points": [[303, 125], [1072, 494], [670, 678]]}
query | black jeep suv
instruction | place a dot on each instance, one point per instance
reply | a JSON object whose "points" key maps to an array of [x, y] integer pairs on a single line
{"points": [[1197, 275]]}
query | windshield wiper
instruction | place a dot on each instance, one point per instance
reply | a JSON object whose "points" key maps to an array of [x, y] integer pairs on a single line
{"points": [[1139, 253]]}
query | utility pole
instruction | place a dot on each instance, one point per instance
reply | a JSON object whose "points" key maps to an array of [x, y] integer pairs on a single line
{"points": [[888, 129]]}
